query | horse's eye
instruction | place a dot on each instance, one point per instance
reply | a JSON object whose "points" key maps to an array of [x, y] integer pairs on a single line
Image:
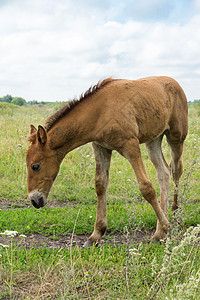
{"points": [[35, 167]]}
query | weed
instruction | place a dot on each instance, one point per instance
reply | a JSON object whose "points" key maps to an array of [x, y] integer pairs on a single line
{"points": [[179, 267]]}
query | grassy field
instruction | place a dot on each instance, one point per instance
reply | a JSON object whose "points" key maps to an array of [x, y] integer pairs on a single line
{"points": [[132, 270]]}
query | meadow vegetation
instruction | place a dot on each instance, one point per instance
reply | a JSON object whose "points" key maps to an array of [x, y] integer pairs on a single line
{"points": [[132, 270]]}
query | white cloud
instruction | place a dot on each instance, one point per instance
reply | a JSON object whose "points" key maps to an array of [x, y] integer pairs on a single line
{"points": [[54, 50]]}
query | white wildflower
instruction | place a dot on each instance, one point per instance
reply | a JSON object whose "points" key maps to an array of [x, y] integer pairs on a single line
{"points": [[134, 251], [4, 246], [9, 233], [22, 235]]}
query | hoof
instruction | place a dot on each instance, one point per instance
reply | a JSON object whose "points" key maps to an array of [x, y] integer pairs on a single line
{"points": [[158, 237], [155, 241], [89, 244]]}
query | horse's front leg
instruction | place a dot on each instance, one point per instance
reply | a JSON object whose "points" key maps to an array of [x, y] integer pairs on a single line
{"points": [[102, 157]]}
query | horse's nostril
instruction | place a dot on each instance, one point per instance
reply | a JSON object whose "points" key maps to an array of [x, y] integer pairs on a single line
{"points": [[35, 204], [37, 199], [41, 201]]}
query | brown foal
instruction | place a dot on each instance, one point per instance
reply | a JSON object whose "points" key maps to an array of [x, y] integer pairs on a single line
{"points": [[116, 115]]}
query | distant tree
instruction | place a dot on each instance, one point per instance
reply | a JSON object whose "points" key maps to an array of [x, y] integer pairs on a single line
{"points": [[18, 101], [33, 102], [7, 98]]}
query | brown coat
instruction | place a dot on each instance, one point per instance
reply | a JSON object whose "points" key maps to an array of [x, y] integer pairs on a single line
{"points": [[115, 115]]}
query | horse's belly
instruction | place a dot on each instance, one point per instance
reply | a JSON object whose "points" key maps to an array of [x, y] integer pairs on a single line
{"points": [[149, 132]]}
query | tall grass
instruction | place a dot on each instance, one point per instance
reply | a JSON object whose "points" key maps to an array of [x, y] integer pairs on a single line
{"points": [[129, 271]]}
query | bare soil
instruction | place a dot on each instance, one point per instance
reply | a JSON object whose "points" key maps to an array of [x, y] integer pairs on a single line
{"points": [[55, 242], [25, 203]]}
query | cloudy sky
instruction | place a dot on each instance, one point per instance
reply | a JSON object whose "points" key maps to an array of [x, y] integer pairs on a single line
{"points": [[54, 50]]}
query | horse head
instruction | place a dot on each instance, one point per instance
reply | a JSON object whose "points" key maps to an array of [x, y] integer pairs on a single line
{"points": [[42, 166]]}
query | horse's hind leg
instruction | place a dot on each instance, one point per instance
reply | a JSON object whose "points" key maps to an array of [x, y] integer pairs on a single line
{"points": [[102, 157], [164, 180], [176, 165], [132, 152]]}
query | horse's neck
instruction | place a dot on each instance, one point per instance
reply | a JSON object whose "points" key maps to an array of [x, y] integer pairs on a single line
{"points": [[74, 129]]}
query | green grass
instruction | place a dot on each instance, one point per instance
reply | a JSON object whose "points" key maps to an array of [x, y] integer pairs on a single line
{"points": [[130, 271], [60, 221], [107, 272]]}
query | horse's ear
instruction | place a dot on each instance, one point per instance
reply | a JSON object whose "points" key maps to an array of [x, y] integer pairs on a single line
{"points": [[41, 135], [32, 129]]}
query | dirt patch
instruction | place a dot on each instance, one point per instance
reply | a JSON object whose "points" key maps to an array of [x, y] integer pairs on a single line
{"points": [[25, 203], [56, 242]]}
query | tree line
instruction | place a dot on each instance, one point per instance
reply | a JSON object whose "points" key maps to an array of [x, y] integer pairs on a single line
{"points": [[19, 100], [195, 101]]}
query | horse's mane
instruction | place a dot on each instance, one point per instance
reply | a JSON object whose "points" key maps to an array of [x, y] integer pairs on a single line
{"points": [[52, 120]]}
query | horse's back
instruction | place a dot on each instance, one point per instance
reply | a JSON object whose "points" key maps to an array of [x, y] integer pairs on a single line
{"points": [[158, 97], [142, 109]]}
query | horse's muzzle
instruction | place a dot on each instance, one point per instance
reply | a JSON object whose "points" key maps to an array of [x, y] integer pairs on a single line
{"points": [[37, 199]]}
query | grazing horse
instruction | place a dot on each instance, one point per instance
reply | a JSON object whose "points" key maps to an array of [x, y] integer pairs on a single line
{"points": [[119, 115]]}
